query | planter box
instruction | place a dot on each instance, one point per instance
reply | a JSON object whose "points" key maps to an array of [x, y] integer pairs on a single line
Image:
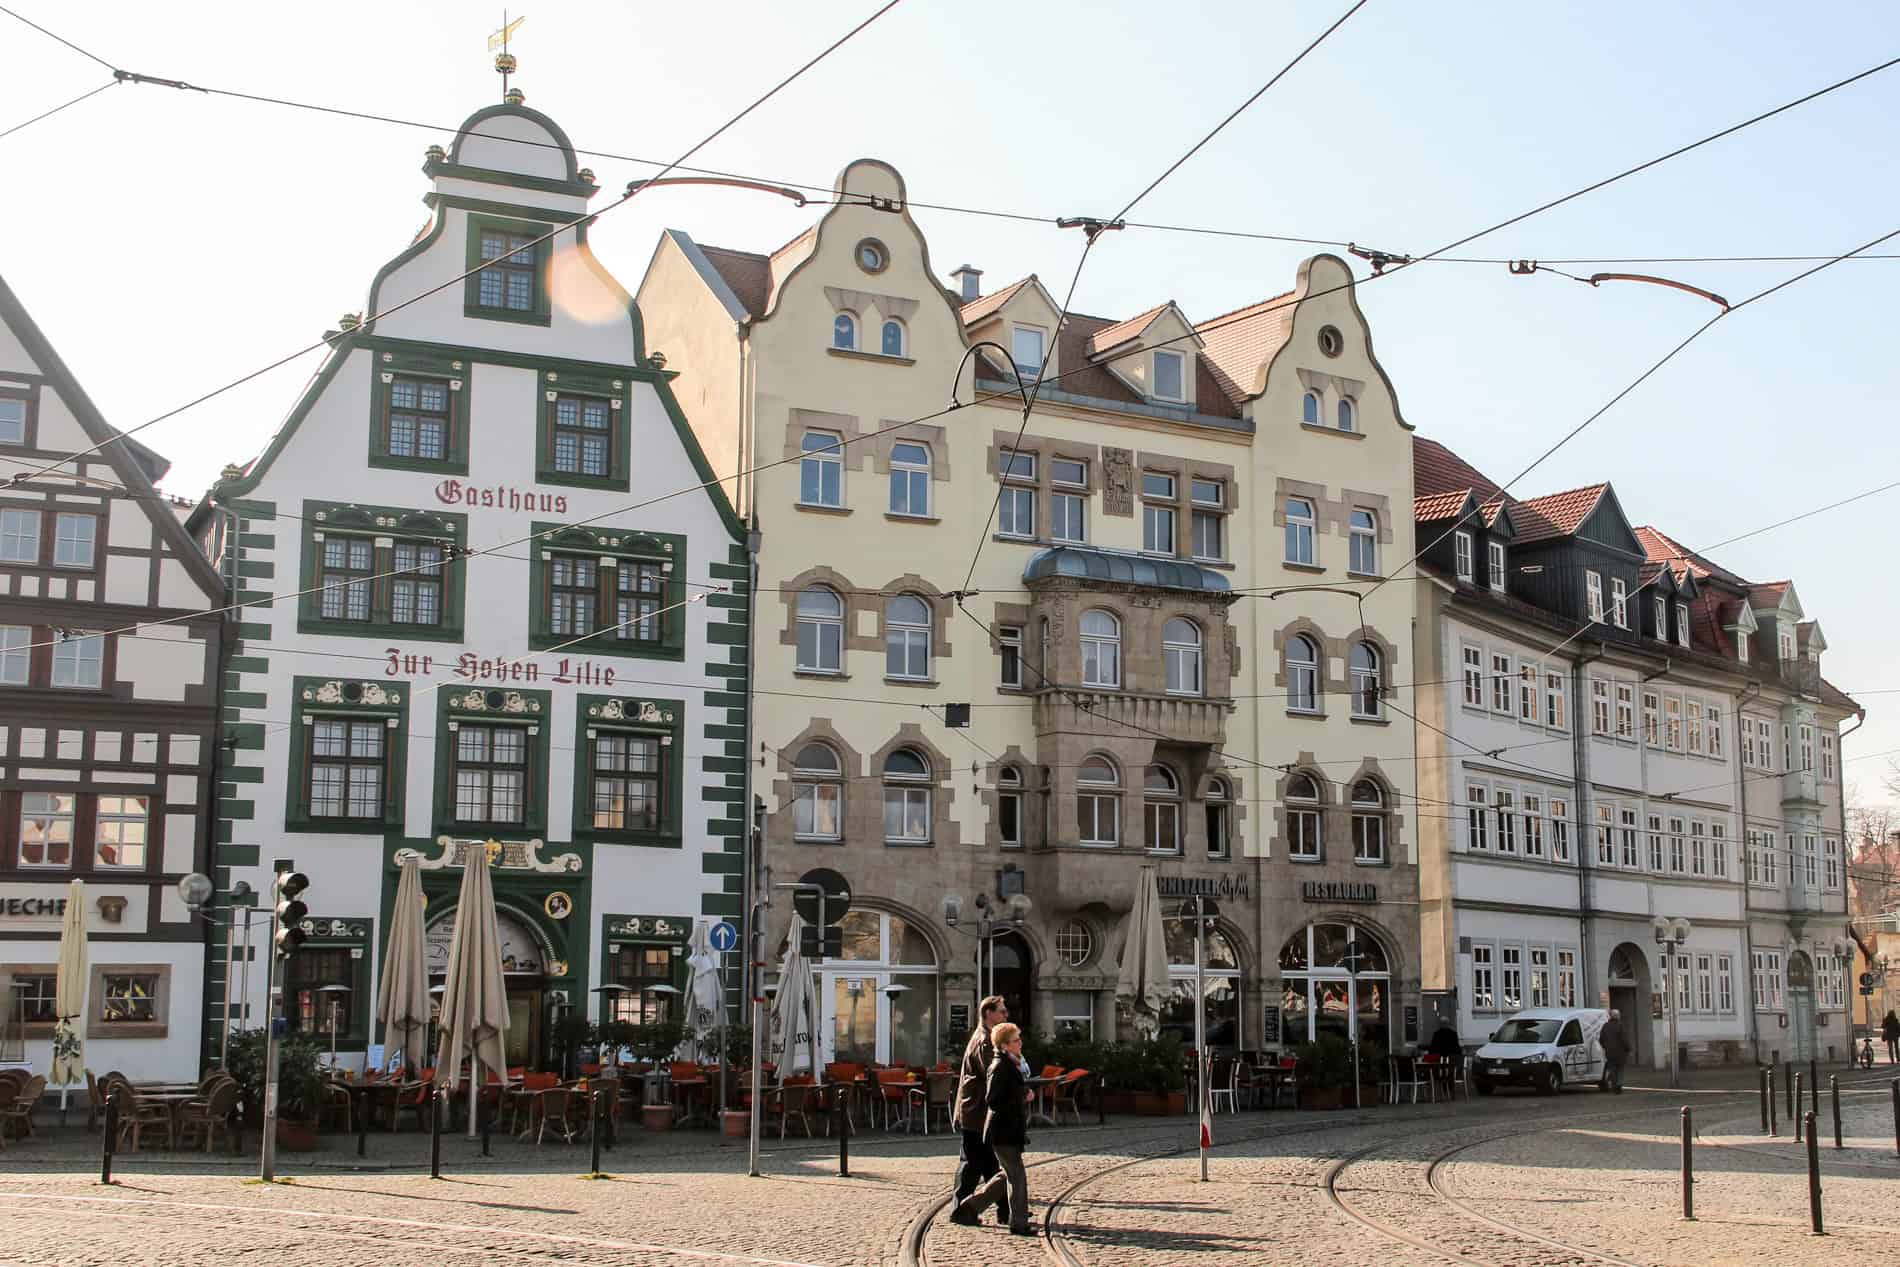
{"points": [[1321, 1097], [734, 1124], [1145, 1103], [657, 1117], [296, 1137]]}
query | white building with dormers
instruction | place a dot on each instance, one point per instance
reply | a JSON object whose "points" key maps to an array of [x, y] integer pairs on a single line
{"points": [[575, 697], [1599, 711]]}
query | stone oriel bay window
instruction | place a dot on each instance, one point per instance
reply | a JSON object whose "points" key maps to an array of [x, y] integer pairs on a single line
{"points": [[606, 592], [381, 571], [1119, 625], [583, 429], [349, 744], [628, 770], [419, 411], [491, 761]]}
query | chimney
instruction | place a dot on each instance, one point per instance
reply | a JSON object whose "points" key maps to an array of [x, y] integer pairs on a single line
{"points": [[969, 281]]}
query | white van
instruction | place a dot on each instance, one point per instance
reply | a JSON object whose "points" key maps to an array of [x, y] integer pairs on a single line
{"points": [[1545, 1048]]}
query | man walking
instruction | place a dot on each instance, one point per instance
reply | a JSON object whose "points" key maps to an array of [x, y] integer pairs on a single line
{"points": [[976, 1162], [1616, 1051]]}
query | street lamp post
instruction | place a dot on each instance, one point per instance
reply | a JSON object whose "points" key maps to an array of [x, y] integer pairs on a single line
{"points": [[987, 931], [1670, 935]]}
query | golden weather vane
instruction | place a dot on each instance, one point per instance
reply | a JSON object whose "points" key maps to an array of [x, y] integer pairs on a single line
{"points": [[504, 60]]}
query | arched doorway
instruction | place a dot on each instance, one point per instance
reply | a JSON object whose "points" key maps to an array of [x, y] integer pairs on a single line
{"points": [[1801, 1005], [1220, 970], [1009, 970], [525, 954], [1629, 994], [1335, 979]]}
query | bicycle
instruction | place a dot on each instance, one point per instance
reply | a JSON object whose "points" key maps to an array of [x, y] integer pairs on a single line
{"points": [[1866, 1051]]}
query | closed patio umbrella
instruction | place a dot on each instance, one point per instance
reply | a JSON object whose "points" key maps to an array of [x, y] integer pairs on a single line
{"points": [[69, 995], [475, 1002], [705, 993], [402, 997], [794, 1029], [1142, 985]]}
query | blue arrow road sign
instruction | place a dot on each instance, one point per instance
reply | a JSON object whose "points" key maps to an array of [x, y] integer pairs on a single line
{"points": [[723, 936]]}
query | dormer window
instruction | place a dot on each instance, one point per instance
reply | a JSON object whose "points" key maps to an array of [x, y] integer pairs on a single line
{"points": [[844, 332], [1741, 649], [1682, 624], [1494, 559], [1168, 374], [1786, 639], [1348, 414], [1026, 349], [1593, 596], [1619, 603], [1461, 549], [1309, 409], [1662, 618]]}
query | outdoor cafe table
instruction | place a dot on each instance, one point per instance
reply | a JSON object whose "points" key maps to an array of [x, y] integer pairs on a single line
{"points": [[1041, 1113], [172, 1100]]}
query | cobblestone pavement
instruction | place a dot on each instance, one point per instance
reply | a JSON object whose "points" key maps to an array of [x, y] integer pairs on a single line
{"points": [[1595, 1175]]}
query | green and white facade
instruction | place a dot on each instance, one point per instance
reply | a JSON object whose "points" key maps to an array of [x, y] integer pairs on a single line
{"points": [[497, 617]]}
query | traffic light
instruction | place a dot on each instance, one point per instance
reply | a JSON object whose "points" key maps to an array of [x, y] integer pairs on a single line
{"points": [[290, 911]]}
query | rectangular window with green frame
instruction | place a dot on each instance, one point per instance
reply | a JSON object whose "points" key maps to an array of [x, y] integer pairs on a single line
{"points": [[607, 593], [419, 410], [348, 749], [627, 770], [382, 572], [513, 286], [491, 761], [581, 436]]}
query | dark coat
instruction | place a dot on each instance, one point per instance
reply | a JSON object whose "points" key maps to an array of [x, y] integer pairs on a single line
{"points": [[977, 1054], [1445, 1042], [1890, 1028], [1615, 1044], [1008, 1121]]}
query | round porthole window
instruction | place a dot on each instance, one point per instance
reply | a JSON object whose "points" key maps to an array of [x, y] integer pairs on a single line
{"points": [[872, 257], [1331, 342], [1075, 943]]}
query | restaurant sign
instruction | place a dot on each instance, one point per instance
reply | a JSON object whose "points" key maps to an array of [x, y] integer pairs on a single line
{"points": [[1339, 891], [1223, 886], [33, 907]]}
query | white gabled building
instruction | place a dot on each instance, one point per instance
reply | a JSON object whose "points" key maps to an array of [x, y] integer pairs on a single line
{"points": [[576, 696]]}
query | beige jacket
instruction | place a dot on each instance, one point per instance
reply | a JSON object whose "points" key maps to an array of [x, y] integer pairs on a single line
{"points": [[972, 1075]]}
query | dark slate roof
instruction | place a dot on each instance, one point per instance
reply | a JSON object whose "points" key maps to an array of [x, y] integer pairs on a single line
{"points": [[1088, 563]]}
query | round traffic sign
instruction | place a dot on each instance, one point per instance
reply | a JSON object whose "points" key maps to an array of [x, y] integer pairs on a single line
{"points": [[837, 896], [723, 936]]}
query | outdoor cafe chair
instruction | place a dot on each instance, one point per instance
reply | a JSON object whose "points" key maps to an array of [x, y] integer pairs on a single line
{"points": [[795, 1095], [893, 1095], [417, 1100], [19, 1114], [1063, 1095], [1220, 1082], [205, 1118], [1408, 1073], [139, 1116], [565, 1109], [938, 1094]]}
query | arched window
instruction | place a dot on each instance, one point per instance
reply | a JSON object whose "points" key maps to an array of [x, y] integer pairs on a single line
{"points": [[1302, 675], [907, 638], [1098, 802], [1302, 818], [1009, 807], [820, 631], [1364, 670], [893, 344], [1299, 531], [1368, 822], [910, 479], [906, 798], [1335, 979], [1181, 650], [1309, 409], [881, 994], [817, 793], [1364, 551], [1347, 413], [1101, 649], [1161, 810], [1220, 822], [1220, 970], [844, 332]]}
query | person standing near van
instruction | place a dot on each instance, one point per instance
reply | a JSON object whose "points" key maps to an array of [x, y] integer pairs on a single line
{"points": [[1616, 1051]]}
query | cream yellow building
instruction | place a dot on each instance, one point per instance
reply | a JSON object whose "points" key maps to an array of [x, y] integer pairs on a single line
{"points": [[1139, 690]]}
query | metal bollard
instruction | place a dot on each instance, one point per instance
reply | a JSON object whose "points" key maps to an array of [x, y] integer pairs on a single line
{"points": [[1834, 1090], [1101, 1101], [843, 1116], [1896, 1117], [1794, 1112], [1814, 1089], [1787, 1082], [1814, 1180], [486, 1116], [1766, 1096], [362, 1124], [1774, 1104], [435, 1131], [1688, 1165], [112, 1131], [599, 1105]]}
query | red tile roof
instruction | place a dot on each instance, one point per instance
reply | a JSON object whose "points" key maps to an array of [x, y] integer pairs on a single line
{"points": [[1768, 593], [1122, 331], [1427, 507], [1238, 343], [1436, 469], [1662, 548], [747, 273], [1555, 514], [983, 305]]}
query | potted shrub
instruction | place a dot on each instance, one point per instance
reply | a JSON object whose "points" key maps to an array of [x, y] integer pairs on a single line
{"points": [[572, 1033], [1374, 1069], [655, 1044], [1145, 1076], [300, 1086], [734, 1121], [1325, 1071]]}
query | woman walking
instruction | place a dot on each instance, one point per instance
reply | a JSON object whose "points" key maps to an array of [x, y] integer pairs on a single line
{"points": [[1890, 1033], [1005, 1129]]}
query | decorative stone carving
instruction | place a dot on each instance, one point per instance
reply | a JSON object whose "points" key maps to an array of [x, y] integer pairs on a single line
{"points": [[339, 928], [643, 711], [475, 700], [332, 692], [514, 855], [1118, 482], [649, 926]]}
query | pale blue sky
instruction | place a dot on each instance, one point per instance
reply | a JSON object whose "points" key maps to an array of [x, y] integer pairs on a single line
{"points": [[169, 241]]}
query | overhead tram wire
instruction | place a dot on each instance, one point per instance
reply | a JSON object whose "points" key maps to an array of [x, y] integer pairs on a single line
{"points": [[47, 114], [588, 218]]}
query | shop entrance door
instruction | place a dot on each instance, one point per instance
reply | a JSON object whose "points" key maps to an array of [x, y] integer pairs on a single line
{"points": [[1801, 1006], [523, 1040]]}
